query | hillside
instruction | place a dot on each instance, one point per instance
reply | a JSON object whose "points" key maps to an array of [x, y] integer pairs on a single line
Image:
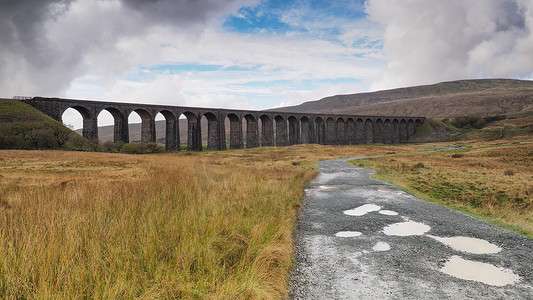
{"points": [[24, 127], [483, 97]]}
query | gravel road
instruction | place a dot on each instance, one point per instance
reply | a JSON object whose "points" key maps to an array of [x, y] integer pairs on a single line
{"points": [[359, 238]]}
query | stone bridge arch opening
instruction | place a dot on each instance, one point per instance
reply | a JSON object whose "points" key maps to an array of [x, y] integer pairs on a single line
{"points": [[387, 132], [378, 133], [396, 131], [360, 137], [214, 140], [234, 136], [330, 131], [267, 131], [320, 129], [168, 132], [294, 130], [281, 131], [72, 119], [146, 124], [252, 131], [193, 136], [113, 116], [403, 130], [369, 132], [89, 120], [306, 133], [340, 131], [350, 131]]}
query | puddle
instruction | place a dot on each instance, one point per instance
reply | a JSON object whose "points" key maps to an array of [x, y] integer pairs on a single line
{"points": [[399, 193], [477, 271], [388, 212], [381, 246], [383, 190], [348, 234], [406, 229], [326, 187], [362, 210], [468, 244]]}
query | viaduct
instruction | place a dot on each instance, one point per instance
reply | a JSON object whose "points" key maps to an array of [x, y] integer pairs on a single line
{"points": [[263, 128]]}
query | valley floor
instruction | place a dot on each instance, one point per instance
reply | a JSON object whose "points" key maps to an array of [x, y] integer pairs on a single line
{"points": [[212, 225]]}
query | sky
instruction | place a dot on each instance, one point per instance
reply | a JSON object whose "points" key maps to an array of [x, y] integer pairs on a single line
{"points": [[254, 54]]}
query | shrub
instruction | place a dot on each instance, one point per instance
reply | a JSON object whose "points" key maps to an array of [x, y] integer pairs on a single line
{"points": [[111, 146], [152, 148], [457, 155], [131, 148]]}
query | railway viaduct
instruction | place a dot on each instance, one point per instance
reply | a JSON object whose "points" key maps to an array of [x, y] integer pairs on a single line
{"points": [[263, 128]]}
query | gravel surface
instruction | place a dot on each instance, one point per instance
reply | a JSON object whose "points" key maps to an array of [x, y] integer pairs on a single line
{"points": [[350, 256]]}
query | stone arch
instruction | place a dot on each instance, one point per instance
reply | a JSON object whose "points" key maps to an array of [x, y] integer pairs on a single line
{"points": [[403, 131], [235, 131], [320, 130], [281, 131], [294, 130], [340, 135], [90, 122], [395, 131], [410, 128], [387, 132], [252, 136], [194, 132], [171, 130], [378, 131], [369, 131], [350, 131], [331, 131], [360, 137], [213, 130], [120, 124], [267, 131], [147, 125], [306, 135]]}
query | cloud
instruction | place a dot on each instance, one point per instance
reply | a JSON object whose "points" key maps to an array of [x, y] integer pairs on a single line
{"points": [[431, 41], [48, 43]]}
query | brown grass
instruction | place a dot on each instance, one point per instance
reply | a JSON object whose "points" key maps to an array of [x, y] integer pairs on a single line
{"points": [[491, 181], [212, 225]]}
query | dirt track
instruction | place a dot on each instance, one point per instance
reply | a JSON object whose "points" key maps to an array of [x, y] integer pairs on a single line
{"points": [[359, 238]]}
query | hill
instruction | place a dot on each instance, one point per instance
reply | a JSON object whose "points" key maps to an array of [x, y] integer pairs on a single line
{"points": [[482, 97], [24, 127]]}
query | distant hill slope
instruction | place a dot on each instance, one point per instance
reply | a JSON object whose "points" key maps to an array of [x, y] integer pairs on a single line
{"points": [[483, 97]]}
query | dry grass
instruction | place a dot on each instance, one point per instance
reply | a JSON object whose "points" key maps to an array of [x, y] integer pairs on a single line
{"points": [[191, 225], [491, 181]]}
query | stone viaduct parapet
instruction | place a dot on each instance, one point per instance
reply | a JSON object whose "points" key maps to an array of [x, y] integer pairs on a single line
{"points": [[262, 128]]}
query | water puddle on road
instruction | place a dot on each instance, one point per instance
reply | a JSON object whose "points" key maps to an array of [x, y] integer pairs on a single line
{"points": [[468, 244], [381, 246], [406, 229], [388, 212], [348, 234], [477, 271], [362, 210]]}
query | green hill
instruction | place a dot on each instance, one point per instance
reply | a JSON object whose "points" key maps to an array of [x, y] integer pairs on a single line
{"points": [[24, 127]]}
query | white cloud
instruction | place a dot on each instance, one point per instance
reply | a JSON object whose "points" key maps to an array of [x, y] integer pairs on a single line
{"points": [[428, 41]]}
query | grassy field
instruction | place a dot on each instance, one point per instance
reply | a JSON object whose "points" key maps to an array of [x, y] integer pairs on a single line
{"points": [[491, 178], [213, 225]]}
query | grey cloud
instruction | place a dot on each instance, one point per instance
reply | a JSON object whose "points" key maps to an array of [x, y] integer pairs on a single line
{"points": [[45, 44]]}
